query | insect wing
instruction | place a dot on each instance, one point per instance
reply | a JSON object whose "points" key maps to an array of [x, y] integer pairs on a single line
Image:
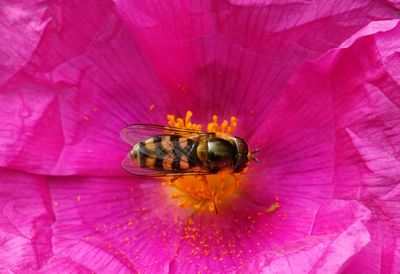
{"points": [[130, 166], [132, 134]]}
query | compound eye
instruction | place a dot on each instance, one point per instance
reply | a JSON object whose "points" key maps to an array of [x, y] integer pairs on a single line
{"points": [[242, 160], [241, 146], [241, 164]]}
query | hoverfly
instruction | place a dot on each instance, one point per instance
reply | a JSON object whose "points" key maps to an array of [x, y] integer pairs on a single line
{"points": [[160, 151]]}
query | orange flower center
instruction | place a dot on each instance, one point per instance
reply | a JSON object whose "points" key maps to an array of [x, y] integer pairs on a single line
{"points": [[204, 192]]}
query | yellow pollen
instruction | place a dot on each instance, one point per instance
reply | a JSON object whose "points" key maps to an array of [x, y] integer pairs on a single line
{"points": [[273, 207], [204, 193], [180, 123], [224, 128]]}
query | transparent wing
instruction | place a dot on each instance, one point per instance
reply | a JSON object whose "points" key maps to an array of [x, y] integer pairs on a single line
{"points": [[130, 166], [133, 134]]}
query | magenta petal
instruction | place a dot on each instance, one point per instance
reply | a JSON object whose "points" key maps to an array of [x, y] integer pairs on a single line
{"points": [[114, 223], [71, 28], [372, 129], [297, 141], [330, 135], [382, 253], [366, 91], [25, 222], [352, 127], [235, 58], [74, 115], [64, 265], [394, 3], [87, 256], [345, 141], [111, 223], [21, 28], [100, 82], [328, 245]]}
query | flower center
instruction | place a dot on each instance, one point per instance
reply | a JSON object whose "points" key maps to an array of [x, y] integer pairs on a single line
{"points": [[204, 192]]}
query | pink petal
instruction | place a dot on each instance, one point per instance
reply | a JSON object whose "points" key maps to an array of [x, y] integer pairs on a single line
{"points": [[373, 128], [125, 226], [64, 265], [350, 129], [394, 3], [330, 242], [71, 28], [366, 94], [86, 256], [99, 80], [382, 252], [368, 125], [26, 221], [21, 27], [297, 141], [121, 225], [62, 113], [226, 59], [73, 117]]}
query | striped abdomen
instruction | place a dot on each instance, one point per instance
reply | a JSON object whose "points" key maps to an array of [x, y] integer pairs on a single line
{"points": [[165, 152]]}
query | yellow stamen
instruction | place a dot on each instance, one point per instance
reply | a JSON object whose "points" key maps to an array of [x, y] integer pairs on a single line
{"points": [[204, 192], [180, 124]]}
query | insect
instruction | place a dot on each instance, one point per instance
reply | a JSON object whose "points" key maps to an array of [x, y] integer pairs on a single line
{"points": [[160, 151]]}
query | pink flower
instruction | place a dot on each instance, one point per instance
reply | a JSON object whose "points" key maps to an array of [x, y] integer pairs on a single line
{"points": [[314, 86]]}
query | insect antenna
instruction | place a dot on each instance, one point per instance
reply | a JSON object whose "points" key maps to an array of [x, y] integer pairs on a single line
{"points": [[255, 151]]}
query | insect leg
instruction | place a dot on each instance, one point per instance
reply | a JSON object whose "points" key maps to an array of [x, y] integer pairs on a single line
{"points": [[210, 193], [215, 206], [174, 178]]}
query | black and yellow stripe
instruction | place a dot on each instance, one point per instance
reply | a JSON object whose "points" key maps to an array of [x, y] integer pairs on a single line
{"points": [[166, 152]]}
